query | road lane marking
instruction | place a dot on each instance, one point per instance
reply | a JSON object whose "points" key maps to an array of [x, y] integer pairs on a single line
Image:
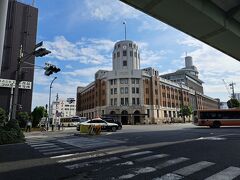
{"points": [[137, 172], [171, 162], [57, 152], [45, 147], [136, 154], [90, 163], [169, 176], [38, 145], [186, 171], [51, 149], [227, 174], [81, 158], [148, 158]]}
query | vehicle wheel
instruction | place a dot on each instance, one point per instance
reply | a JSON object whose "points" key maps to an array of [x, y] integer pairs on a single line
{"points": [[114, 129], [119, 127], [216, 124]]}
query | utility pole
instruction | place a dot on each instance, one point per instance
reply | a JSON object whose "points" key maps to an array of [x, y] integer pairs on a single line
{"points": [[18, 74], [232, 87]]}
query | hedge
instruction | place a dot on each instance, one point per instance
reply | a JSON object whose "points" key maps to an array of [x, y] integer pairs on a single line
{"points": [[11, 133]]}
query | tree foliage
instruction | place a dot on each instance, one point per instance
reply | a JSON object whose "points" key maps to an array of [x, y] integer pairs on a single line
{"points": [[3, 117], [185, 111], [37, 114], [233, 103], [22, 119]]}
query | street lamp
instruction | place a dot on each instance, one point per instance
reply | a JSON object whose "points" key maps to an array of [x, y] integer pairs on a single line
{"points": [[50, 94]]}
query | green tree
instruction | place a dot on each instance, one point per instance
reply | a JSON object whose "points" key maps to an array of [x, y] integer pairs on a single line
{"points": [[3, 117], [185, 111], [233, 103], [37, 115], [22, 119]]}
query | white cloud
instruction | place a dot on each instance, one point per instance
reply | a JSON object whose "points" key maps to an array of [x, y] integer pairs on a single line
{"points": [[68, 66], [87, 51], [213, 66], [87, 72], [152, 25], [110, 10]]}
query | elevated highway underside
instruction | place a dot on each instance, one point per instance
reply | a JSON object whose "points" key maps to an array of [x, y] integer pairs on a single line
{"points": [[215, 22]]}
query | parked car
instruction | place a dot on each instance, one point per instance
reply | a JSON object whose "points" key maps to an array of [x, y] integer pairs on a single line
{"points": [[111, 120], [104, 124]]}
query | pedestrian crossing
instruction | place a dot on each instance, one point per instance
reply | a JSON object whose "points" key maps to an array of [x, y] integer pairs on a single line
{"points": [[54, 146], [132, 163], [147, 165]]}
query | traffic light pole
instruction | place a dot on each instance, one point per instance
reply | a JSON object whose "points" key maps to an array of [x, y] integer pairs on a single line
{"points": [[37, 53], [49, 101], [16, 89]]}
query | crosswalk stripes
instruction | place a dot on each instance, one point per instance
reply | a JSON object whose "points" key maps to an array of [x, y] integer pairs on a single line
{"points": [[142, 158], [227, 174], [50, 146], [139, 163]]}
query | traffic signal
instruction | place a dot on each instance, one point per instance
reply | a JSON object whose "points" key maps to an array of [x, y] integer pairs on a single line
{"points": [[50, 69], [41, 52]]}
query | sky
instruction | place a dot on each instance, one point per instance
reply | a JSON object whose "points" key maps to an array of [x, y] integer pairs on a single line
{"points": [[81, 35]]}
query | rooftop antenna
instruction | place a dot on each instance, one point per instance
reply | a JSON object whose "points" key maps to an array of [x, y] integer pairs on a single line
{"points": [[125, 26], [186, 53], [33, 2]]}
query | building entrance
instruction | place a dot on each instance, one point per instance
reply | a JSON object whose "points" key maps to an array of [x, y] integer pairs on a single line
{"points": [[124, 117], [136, 117]]}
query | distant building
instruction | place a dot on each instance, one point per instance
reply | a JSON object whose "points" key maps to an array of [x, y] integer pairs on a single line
{"points": [[21, 29], [187, 76], [133, 95], [237, 96], [223, 105], [63, 108]]}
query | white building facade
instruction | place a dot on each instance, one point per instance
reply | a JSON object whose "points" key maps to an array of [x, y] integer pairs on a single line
{"points": [[62, 108]]}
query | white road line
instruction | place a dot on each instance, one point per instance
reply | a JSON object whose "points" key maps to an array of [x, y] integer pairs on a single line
{"points": [[90, 163], [171, 162], [51, 149], [136, 154], [227, 174], [169, 176], [45, 147], [148, 158], [57, 152], [137, 172], [186, 171], [81, 158], [127, 163], [37, 145]]}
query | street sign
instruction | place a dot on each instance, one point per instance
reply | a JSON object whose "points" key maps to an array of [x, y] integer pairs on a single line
{"points": [[8, 83]]}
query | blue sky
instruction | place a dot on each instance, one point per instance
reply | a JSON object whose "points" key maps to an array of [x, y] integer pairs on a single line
{"points": [[81, 35]]}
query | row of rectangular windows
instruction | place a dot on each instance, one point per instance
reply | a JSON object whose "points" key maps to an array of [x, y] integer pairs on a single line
{"points": [[124, 90], [124, 53], [124, 101], [124, 81], [130, 45]]}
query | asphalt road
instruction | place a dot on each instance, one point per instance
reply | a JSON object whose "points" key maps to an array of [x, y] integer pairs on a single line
{"points": [[176, 151]]}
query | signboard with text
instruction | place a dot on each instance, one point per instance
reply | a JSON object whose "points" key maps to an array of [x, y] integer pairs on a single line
{"points": [[8, 83]]}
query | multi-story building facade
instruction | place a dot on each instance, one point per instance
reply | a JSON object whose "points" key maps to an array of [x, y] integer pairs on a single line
{"points": [[62, 108], [134, 95], [20, 31]]}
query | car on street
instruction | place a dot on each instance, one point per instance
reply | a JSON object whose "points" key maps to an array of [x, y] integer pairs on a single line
{"points": [[112, 120], [105, 126]]}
